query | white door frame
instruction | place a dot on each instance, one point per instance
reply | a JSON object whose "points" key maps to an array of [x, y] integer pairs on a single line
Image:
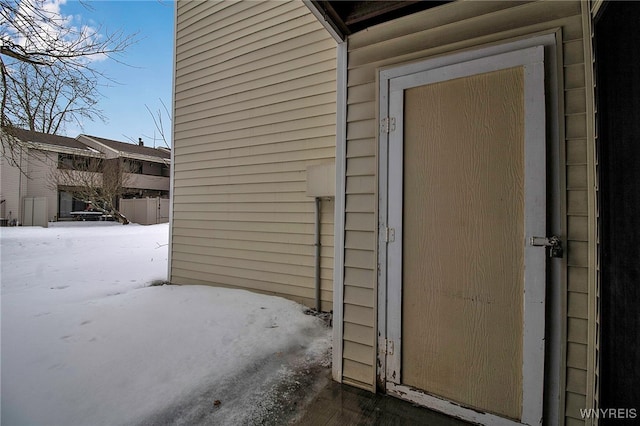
{"points": [[530, 54]]}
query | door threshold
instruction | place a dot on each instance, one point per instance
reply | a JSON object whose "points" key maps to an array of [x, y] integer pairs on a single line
{"points": [[447, 407]]}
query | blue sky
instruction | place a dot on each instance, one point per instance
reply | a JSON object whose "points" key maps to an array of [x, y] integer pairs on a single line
{"points": [[144, 76]]}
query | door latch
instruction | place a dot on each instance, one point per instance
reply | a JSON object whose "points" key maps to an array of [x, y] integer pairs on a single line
{"points": [[553, 243]]}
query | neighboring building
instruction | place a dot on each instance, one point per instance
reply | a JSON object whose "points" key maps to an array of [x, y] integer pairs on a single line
{"points": [[148, 168], [464, 142], [41, 155]]}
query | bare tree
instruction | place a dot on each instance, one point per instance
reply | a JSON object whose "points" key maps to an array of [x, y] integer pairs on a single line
{"points": [[47, 70], [159, 122], [45, 99], [98, 181], [162, 126]]}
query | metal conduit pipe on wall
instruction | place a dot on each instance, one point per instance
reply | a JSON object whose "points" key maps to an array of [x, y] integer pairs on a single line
{"points": [[317, 254], [320, 183]]}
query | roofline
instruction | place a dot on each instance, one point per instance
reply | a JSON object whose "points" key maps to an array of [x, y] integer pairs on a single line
{"points": [[98, 142], [126, 154], [338, 35], [143, 157], [46, 146], [61, 149]]}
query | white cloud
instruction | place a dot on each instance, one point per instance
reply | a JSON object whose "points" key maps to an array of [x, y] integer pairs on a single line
{"points": [[40, 25]]}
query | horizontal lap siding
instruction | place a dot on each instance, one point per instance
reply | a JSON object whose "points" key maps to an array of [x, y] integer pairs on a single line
{"points": [[449, 28], [578, 213], [360, 243], [255, 105]]}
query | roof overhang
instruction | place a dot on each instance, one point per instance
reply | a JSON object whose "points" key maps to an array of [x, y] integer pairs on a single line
{"points": [[142, 157], [62, 149], [125, 154], [342, 18]]}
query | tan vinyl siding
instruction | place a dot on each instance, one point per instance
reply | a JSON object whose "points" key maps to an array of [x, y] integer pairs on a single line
{"points": [[445, 29], [360, 242], [255, 104]]}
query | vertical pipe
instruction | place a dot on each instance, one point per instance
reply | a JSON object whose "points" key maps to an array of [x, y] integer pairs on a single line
{"points": [[317, 255]]}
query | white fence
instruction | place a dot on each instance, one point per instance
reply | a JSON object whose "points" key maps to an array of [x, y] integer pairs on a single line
{"points": [[145, 211]]}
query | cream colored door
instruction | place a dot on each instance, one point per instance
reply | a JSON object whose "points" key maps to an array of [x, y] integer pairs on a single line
{"points": [[466, 193]]}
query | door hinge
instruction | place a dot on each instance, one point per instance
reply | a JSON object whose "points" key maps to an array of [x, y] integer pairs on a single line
{"points": [[387, 125], [389, 235], [388, 347]]}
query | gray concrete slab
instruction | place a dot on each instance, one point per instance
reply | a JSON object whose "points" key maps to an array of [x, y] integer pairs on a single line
{"points": [[344, 405]]}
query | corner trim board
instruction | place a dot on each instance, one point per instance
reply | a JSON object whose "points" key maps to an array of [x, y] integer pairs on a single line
{"points": [[340, 199], [172, 170]]}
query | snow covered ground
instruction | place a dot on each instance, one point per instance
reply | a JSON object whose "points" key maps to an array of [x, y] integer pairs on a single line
{"points": [[87, 340]]}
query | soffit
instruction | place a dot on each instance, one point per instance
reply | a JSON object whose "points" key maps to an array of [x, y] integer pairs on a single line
{"points": [[348, 17]]}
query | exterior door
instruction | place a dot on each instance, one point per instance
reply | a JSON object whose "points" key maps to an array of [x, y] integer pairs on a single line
{"points": [[466, 194]]}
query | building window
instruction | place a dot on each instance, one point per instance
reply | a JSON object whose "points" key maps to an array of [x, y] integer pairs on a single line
{"points": [[67, 203]]}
